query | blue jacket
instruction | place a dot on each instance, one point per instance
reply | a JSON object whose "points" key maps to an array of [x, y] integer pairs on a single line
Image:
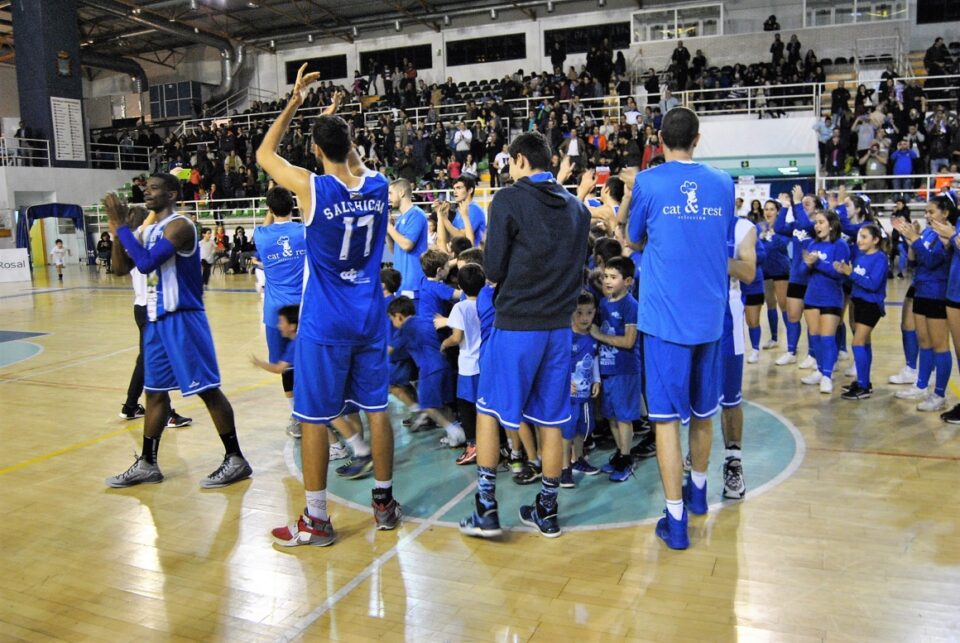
{"points": [[869, 278], [933, 266], [800, 233], [824, 285]]}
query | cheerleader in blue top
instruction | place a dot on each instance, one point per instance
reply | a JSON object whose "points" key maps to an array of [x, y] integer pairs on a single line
{"points": [[908, 326], [776, 269], [929, 306], [800, 233], [823, 302], [752, 296], [948, 234], [867, 273]]}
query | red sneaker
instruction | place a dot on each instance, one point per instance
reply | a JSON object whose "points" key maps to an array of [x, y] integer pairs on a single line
{"points": [[469, 455], [306, 531]]}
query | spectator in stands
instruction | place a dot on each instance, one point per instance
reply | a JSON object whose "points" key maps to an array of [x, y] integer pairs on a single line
{"points": [[835, 155], [865, 132], [874, 163], [776, 51], [839, 99], [630, 112], [938, 140], [652, 85], [793, 51], [824, 130], [469, 168], [461, 142], [903, 159], [136, 190], [936, 57], [681, 61], [771, 24], [669, 101], [558, 54], [862, 103], [574, 147]]}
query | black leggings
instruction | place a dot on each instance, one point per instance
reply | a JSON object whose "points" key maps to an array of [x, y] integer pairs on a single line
{"points": [[468, 418], [135, 387]]}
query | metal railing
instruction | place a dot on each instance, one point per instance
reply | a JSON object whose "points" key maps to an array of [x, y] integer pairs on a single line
{"points": [[884, 189], [772, 100], [26, 152], [108, 156]]}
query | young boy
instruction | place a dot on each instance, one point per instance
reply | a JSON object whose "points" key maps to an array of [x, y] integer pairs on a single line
{"points": [[57, 255], [417, 336], [465, 323], [436, 297], [208, 248], [584, 388], [619, 362], [402, 369]]}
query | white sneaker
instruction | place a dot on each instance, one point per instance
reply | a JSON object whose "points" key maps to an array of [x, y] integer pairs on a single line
{"points": [[852, 371], [933, 403], [912, 393], [339, 451], [808, 363], [843, 356], [771, 343], [906, 375], [786, 358], [753, 358], [826, 385], [813, 378], [455, 436]]}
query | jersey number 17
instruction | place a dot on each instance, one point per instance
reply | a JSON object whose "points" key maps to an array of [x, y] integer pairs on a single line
{"points": [[365, 221]]}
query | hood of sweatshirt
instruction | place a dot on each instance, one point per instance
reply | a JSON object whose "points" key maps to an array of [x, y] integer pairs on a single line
{"points": [[549, 193]]}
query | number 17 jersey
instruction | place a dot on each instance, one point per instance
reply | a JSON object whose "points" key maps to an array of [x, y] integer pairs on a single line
{"points": [[342, 296]]}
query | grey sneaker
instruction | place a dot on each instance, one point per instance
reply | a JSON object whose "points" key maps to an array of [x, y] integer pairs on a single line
{"points": [[306, 531], [294, 430], [233, 469], [140, 472], [733, 485], [387, 516], [357, 467]]}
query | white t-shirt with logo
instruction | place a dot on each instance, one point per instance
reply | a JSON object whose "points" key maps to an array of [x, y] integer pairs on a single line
{"points": [[464, 317]]}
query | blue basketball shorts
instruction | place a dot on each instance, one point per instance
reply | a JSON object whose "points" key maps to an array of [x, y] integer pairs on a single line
{"points": [[276, 344], [178, 353], [332, 378], [682, 380], [581, 419], [620, 397], [525, 377], [731, 390], [435, 390], [467, 387], [402, 371]]}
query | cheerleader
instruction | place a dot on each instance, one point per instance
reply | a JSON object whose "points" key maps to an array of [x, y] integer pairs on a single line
{"points": [[752, 295], [929, 306], [823, 301], [948, 234], [800, 232], [867, 273], [776, 269], [908, 326]]}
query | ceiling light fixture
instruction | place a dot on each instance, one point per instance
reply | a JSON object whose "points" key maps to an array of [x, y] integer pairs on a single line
{"points": [[309, 37], [136, 11], [549, 7], [446, 20], [600, 3], [355, 32], [273, 44], [193, 5], [396, 25], [493, 14]]}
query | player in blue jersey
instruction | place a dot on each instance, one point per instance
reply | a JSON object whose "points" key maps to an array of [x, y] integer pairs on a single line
{"points": [[794, 222], [868, 274], [949, 234], [823, 300], [685, 212], [341, 340], [535, 251], [463, 193], [929, 305], [584, 389], [409, 237], [931, 282], [281, 251], [776, 270], [177, 345]]}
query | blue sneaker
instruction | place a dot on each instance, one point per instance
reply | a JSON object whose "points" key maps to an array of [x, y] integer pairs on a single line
{"points": [[483, 523], [584, 467], [357, 467], [623, 472], [535, 516], [611, 465], [695, 499], [673, 532]]}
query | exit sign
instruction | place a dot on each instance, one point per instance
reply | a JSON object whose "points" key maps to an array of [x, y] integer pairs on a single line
{"points": [[744, 164], [793, 163]]}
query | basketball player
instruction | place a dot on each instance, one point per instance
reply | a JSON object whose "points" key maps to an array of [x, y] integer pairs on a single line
{"points": [[685, 211], [178, 348], [341, 350]]}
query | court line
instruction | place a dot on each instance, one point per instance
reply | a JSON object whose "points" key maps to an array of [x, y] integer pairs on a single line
{"points": [[48, 291], [76, 446], [299, 628], [892, 454], [61, 367], [23, 359]]}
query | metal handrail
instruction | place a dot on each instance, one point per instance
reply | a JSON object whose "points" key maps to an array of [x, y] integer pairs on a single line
{"points": [[116, 156], [35, 150]]}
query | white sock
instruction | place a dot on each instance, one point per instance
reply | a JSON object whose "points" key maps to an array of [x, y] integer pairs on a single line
{"points": [[290, 402], [516, 455], [317, 504], [732, 453], [382, 484], [675, 507], [414, 408], [536, 462], [699, 479], [358, 446]]}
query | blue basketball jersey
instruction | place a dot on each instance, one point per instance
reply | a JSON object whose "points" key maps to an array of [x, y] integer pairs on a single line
{"points": [[342, 296], [178, 283], [686, 211], [477, 218], [282, 248], [584, 366]]}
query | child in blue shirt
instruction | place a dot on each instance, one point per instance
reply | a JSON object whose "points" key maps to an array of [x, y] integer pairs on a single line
{"points": [[584, 388], [435, 297], [619, 362], [417, 336], [868, 274], [402, 369], [823, 300]]}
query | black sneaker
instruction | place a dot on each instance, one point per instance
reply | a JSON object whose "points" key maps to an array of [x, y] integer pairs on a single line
{"points": [[858, 393], [528, 475], [545, 521], [852, 386], [952, 416], [177, 421], [132, 412], [647, 448]]}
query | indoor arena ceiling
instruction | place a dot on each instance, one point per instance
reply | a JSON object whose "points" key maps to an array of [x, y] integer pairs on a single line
{"points": [[130, 27]]}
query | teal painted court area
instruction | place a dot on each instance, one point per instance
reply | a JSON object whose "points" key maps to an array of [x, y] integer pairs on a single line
{"points": [[14, 349], [426, 478]]}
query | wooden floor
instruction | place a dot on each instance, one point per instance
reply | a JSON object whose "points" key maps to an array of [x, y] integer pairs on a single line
{"points": [[861, 543]]}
